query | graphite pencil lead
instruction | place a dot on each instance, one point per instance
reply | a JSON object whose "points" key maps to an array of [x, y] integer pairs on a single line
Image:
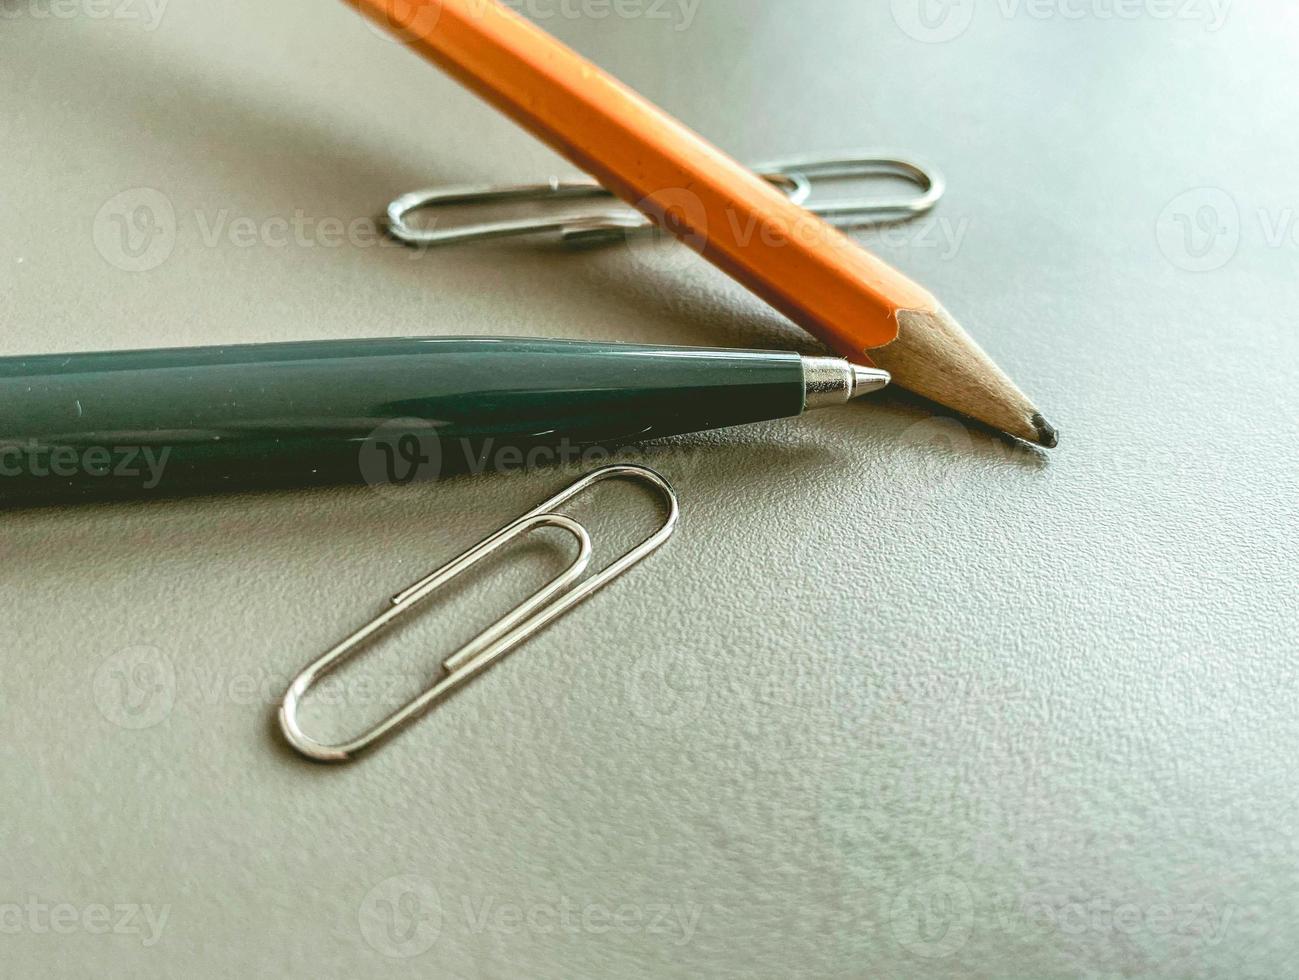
{"points": [[1047, 434]]}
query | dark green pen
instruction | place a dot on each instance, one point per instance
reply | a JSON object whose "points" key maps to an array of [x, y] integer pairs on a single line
{"points": [[155, 422]]}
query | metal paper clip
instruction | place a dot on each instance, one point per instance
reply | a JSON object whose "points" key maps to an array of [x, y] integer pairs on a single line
{"points": [[795, 177], [547, 604], [867, 211]]}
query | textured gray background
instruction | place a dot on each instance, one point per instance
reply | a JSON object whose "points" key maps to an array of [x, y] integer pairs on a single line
{"points": [[898, 700]]}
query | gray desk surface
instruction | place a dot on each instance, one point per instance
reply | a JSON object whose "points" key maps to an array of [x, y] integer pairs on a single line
{"points": [[896, 701]]}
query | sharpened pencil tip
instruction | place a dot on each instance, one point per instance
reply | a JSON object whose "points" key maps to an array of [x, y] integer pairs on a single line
{"points": [[1047, 434]]}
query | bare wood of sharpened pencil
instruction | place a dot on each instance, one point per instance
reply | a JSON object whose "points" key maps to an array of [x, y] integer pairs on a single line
{"points": [[939, 360]]}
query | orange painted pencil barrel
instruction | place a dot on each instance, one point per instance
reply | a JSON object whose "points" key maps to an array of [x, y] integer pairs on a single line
{"points": [[794, 260], [800, 264]]}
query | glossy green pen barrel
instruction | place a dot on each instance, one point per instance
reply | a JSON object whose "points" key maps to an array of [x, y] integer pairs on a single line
{"points": [[153, 422]]}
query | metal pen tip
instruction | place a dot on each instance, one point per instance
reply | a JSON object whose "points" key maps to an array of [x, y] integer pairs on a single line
{"points": [[833, 381], [866, 380]]}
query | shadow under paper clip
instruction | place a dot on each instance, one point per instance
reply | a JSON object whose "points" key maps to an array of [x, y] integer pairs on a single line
{"points": [[795, 176]]}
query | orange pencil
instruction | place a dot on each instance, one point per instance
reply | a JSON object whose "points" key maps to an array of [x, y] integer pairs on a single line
{"points": [[810, 271]]}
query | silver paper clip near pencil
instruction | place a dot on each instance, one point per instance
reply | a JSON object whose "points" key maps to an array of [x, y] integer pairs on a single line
{"points": [[547, 604], [795, 176]]}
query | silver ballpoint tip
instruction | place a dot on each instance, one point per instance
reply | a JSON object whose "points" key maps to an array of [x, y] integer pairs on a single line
{"points": [[833, 381], [866, 380]]}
